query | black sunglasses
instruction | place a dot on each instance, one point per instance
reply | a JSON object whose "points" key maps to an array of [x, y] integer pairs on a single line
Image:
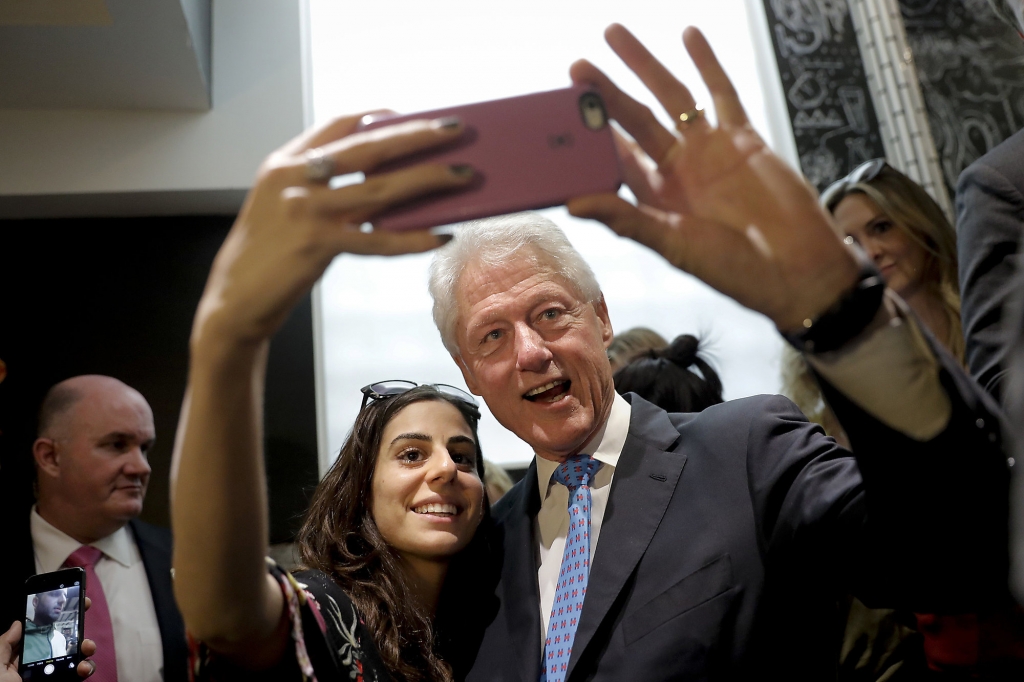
{"points": [[393, 387], [866, 172]]}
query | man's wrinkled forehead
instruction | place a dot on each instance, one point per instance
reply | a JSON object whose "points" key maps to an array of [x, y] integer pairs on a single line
{"points": [[481, 275]]}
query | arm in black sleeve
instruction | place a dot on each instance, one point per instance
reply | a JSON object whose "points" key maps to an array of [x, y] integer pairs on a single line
{"points": [[990, 216], [935, 512]]}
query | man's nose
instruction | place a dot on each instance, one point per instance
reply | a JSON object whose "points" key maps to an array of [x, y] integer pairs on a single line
{"points": [[138, 464], [532, 354]]}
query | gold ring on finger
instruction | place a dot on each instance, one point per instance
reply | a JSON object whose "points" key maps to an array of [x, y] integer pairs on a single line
{"points": [[320, 167], [688, 117]]}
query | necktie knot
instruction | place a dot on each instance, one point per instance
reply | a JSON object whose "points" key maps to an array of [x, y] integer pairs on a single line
{"points": [[576, 471], [84, 557]]}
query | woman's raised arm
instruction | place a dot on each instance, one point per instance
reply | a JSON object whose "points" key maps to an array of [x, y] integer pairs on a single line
{"points": [[289, 229]]}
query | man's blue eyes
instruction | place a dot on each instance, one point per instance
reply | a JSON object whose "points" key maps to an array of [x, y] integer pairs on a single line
{"points": [[549, 314]]}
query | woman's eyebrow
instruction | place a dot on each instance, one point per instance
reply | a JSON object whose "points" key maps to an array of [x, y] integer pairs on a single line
{"points": [[462, 439], [412, 436]]}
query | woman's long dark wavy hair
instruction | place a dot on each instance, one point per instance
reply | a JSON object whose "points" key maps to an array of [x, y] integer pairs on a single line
{"points": [[340, 538]]}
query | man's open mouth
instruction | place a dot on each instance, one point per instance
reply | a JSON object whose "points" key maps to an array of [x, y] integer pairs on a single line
{"points": [[437, 509], [548, 393]]}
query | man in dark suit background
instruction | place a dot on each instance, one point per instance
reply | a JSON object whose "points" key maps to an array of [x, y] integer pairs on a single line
{"points": [[92, 473], [990, 219], [990, 222]]}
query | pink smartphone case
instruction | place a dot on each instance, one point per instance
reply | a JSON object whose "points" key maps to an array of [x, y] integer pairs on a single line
{"points": [[528, 152]]}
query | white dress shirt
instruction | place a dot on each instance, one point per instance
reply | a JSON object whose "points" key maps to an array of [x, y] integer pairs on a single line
{"points": [[552, 522], [140, 656]]}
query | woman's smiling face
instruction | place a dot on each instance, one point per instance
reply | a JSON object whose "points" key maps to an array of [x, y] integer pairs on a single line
{"points": [[901, 260], [427, 496]]}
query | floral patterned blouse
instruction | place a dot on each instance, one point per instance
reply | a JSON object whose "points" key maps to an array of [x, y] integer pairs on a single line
{"points": [[330, 641]]}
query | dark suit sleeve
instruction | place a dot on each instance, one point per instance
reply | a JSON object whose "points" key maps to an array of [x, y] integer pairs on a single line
{"points": [[935, 514], [990, 213]]}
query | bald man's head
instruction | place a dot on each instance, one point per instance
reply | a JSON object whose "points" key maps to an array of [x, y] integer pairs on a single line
{"points": [[95, 433], [56, 409], [58, 401]]}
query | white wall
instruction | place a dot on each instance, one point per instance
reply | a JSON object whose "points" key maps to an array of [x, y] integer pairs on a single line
{"points": [[259, 102]]}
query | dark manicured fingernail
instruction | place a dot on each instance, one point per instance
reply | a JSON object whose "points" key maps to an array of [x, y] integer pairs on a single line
{"points": [[462, 170], [445, 238], [448, 123]]}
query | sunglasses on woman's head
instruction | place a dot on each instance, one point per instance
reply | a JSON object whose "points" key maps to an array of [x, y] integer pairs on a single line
{"points": [[389, 389], [866, 172]]}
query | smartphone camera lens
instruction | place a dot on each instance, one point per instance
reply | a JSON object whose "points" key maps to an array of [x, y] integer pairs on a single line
{"points": [[592, 111]]}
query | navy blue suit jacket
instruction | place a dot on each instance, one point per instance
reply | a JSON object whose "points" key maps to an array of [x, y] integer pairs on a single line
{"points": [[730, 533]]}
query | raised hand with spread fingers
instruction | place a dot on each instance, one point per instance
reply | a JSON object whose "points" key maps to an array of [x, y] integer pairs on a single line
{"points": [[714, 200]]}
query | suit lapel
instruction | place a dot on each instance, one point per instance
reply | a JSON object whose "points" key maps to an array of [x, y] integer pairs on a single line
{"points": [[644, 481], [156, 557], [521, 594]]}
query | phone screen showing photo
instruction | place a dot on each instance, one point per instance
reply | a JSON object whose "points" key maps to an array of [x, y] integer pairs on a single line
{"points": [[52, 626]]}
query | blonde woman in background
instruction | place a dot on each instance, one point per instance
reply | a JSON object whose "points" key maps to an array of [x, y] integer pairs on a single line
{"points": [[908, 238]]}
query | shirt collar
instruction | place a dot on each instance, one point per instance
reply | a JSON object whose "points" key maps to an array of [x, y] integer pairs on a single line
{"points": [[610, 440], [53, 546]]}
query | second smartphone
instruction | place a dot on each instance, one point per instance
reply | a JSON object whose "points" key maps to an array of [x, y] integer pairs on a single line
{"points": [[53, 626], [528, 152]]}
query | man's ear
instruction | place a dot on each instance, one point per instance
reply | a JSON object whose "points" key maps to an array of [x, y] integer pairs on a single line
{"points": [[467, 376], [601, 308], [44, 451]]}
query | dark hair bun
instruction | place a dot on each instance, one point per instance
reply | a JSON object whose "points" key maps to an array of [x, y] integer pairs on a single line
{"points": [[682, 351], [674, 378]]}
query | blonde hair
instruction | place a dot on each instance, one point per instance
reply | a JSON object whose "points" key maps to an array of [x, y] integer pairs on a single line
{"points": [[914, 212], [496, 478], [631, 343]]}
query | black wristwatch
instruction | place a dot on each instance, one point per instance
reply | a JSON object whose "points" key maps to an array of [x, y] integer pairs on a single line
{"points": [[844, 321]]}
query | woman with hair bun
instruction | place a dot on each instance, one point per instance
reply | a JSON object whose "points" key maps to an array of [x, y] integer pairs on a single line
{"points": [[674, 378]]}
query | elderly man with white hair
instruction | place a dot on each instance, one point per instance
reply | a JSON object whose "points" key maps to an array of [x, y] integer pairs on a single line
{"points": [[641, 545]]}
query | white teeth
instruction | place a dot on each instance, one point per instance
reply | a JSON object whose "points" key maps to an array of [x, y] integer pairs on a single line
{"points": [[437, 509], [541, 389]]}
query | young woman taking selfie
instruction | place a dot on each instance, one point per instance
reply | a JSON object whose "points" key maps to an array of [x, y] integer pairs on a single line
{"points": [[403, 499]]}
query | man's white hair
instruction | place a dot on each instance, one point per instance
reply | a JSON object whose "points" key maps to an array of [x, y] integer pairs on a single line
{"points": [[494, 242]]}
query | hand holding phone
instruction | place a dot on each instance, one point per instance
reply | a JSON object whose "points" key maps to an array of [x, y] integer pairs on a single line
{"points": [[53, 628], [527, 152]]}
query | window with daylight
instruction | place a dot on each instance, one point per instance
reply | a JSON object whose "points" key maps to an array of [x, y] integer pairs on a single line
{"points": [[410, 56]]}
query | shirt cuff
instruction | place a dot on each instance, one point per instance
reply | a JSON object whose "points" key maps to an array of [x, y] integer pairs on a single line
{"points": [[891, 373]]}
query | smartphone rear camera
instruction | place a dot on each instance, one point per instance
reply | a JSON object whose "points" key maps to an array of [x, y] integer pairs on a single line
{"points": [[592, 111]]}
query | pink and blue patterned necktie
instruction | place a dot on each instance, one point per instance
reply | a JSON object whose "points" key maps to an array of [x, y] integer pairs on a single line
{"points": [[575, 473]]}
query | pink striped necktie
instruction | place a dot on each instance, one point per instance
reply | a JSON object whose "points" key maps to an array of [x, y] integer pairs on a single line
{"points": [[98, 626]]}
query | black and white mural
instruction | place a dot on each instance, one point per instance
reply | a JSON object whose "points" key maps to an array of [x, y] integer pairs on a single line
{"points": [[826, 89], [971, 69]]}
